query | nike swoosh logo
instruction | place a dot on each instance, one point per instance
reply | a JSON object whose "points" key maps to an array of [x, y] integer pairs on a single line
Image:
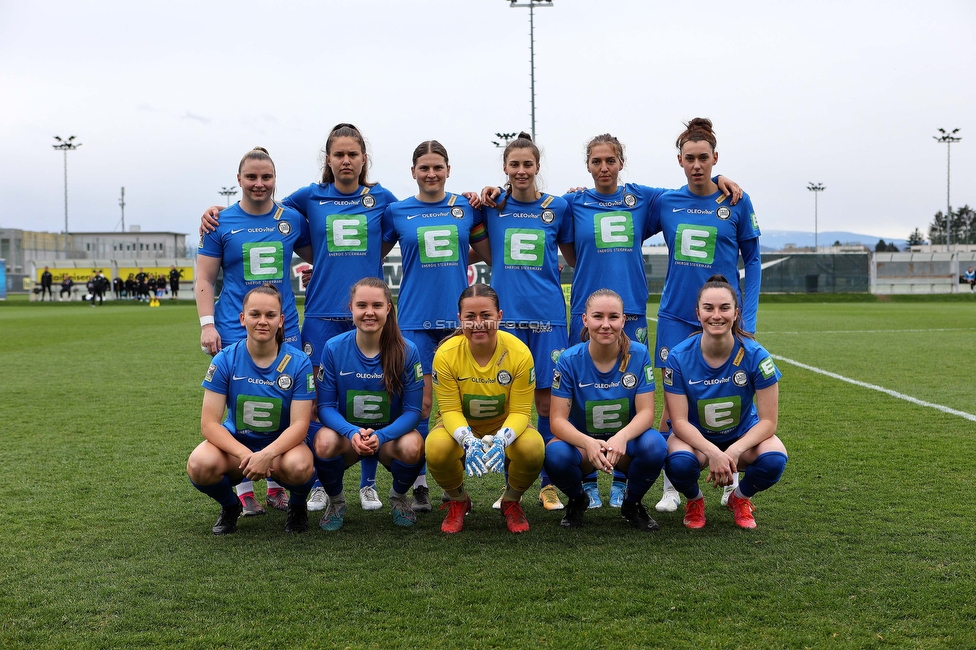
{"points": [[412, 216], [343, 374], [581, 385], [463, 378], [677, 209], [504, 214], [234, 232], [692, 383], [236, 378], [324, 202]]}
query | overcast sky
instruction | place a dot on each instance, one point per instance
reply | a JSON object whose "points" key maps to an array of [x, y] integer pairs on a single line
{"points": [[166, 97]]}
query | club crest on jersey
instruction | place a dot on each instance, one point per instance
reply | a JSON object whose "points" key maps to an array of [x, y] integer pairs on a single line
{"points": [[723, 213], [548, 216], [284, 227], [433, 377], [663, 353], [668, 377], [283, 382], [457, 213], [630, 200], [556, 377], [200, 245], [369, 201], [321, 374], [210, 372], [504, 377], [629, 380], [555, 354], [739, 378], [641, 334], [307, 349]]}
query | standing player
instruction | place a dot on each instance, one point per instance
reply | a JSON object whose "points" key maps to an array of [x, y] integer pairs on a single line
{"points": [[705, 236], [710, 382], [484, 381], [370, 388], [525, 228], [174, 281], [267, 389], [46, 281], [434, 229], [603, 414], [253, 245]]}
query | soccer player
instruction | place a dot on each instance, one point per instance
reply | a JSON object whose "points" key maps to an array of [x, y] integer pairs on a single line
{"points": [[603, 414], [344, 212], [710, 382], [370, 389], [253, 244], [434, 230], [705, 236], [484, 381], [525, 227], [268, 390]]}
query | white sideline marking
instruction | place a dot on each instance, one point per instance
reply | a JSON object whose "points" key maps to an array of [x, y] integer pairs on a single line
{"points": [[916, 331], [886, 391]]}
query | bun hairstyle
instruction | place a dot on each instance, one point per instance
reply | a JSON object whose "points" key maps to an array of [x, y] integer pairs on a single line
{"points": [[345, 130], [606, 138], [697, 130], [430, 146], [268, 289], [257, 153], [718, 281], [393, 350], [522, 141], [623, 340]]}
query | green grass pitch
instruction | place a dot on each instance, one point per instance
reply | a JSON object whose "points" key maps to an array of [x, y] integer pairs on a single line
{"points": [[866, 542]]}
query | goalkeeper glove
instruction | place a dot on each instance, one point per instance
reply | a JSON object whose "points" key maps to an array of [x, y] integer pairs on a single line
{"points": [[495, 456], [474, 456]]}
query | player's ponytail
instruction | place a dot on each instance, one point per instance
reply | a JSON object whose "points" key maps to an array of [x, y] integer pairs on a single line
{"points": [[697, 130], [393, 349], [718, 281]]}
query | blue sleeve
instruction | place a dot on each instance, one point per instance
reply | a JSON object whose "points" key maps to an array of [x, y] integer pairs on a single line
{"points": [[304, 234], [303, 385], [412, 401], [566, 230], [327, 395], [563, 381], [298, 200], [672, 376], [645, 377], [212, 245], [753, 268], [389, 229], [216, 378]]}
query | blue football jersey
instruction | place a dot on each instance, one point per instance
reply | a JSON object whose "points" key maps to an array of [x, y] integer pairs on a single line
{"points": [[345, 230], [703, 234], [720, 400], [525, 259], [259, 399], [608, 231], [254, 250], [434, 240], [352, 393], [602, 402]]}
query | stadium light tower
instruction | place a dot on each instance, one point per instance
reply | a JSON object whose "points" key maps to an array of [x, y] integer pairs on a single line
{"points": [[227, 192], [66, 146], [531, 4], [816, 188], [948, 137], [505, 137], [122, 205]]}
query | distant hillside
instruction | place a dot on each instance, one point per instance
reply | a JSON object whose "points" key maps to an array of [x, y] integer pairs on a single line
{"points": [[774, 240]]}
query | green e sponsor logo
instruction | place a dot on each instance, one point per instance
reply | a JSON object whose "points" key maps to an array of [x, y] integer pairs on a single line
{"points": [[483, 407], [695, 243], [607, 416], [367, 406], [767, 368], [260, 414], [438, 244], [720, 413], [524, 247], [613, 229], [346, 233], [263, 261]]}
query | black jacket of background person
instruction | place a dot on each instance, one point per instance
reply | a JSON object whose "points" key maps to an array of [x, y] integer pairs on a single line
{"points": [[174, 276], [46, 279]]}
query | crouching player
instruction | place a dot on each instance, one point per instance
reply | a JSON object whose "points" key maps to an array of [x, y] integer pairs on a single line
{"points": [[603, 412], [370, 391], [710, 381], [484, 381], [268, 391]]}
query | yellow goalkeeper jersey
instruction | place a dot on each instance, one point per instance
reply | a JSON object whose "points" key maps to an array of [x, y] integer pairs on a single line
{"points": [[489, 397]]}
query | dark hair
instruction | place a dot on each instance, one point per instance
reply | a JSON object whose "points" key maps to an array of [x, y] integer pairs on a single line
{"points": [[345, 130], [523, 141], [718, 281], [393, 349], [269, 289], [697, 130], [605, 138], [623, 340], [257, 153], [430, 146], [477, 290]]}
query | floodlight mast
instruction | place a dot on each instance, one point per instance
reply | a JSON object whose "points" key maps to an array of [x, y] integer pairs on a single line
{"points": [[531, 4]]}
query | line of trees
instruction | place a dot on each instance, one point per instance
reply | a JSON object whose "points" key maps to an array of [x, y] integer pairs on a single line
{"points": [[962, 228]]}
